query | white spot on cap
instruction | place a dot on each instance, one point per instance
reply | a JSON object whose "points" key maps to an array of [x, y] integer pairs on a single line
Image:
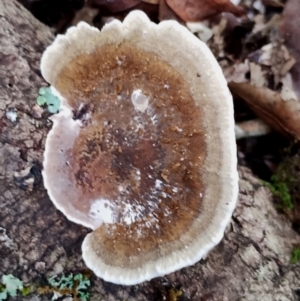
{"points": [[158, 184], [129, 215], [102, 211], [139, 100]]}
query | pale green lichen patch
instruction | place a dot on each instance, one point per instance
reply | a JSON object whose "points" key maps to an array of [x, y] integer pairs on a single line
{"points": [[75, 286], [46, 97], [72, 285], [10, 286]]}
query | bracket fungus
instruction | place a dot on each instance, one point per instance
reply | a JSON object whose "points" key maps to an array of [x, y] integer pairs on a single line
{"points": [[143, 149]]}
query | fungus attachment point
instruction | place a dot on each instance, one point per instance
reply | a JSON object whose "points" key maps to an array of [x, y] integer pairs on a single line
{"points": [[143, 149]]}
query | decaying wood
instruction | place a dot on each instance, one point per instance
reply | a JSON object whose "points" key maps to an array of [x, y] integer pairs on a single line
{"points": [[36, 241]]}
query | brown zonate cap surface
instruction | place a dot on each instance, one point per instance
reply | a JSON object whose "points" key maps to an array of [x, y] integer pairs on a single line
{"points": [[143, 150]]}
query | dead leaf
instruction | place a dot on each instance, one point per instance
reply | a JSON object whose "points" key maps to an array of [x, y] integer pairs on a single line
{"points": [[202, 29], [273, 3], [281, 115], [151, 1], [197, 10], [217, 43], [258, 76], [114, 6], [276, 57], [86, 14], [290, 32], [150, 9], [287, 91], [166, 13], [237, 72]]}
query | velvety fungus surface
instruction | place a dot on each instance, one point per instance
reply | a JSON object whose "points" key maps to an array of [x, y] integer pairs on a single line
{"points": [[135, 174], [143, 148]]}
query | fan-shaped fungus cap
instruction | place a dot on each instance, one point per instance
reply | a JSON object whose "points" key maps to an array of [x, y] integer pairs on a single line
{"points": [[143, 150]]}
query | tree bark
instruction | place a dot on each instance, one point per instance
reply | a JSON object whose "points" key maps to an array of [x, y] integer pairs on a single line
{"points": [[37, 241]]}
